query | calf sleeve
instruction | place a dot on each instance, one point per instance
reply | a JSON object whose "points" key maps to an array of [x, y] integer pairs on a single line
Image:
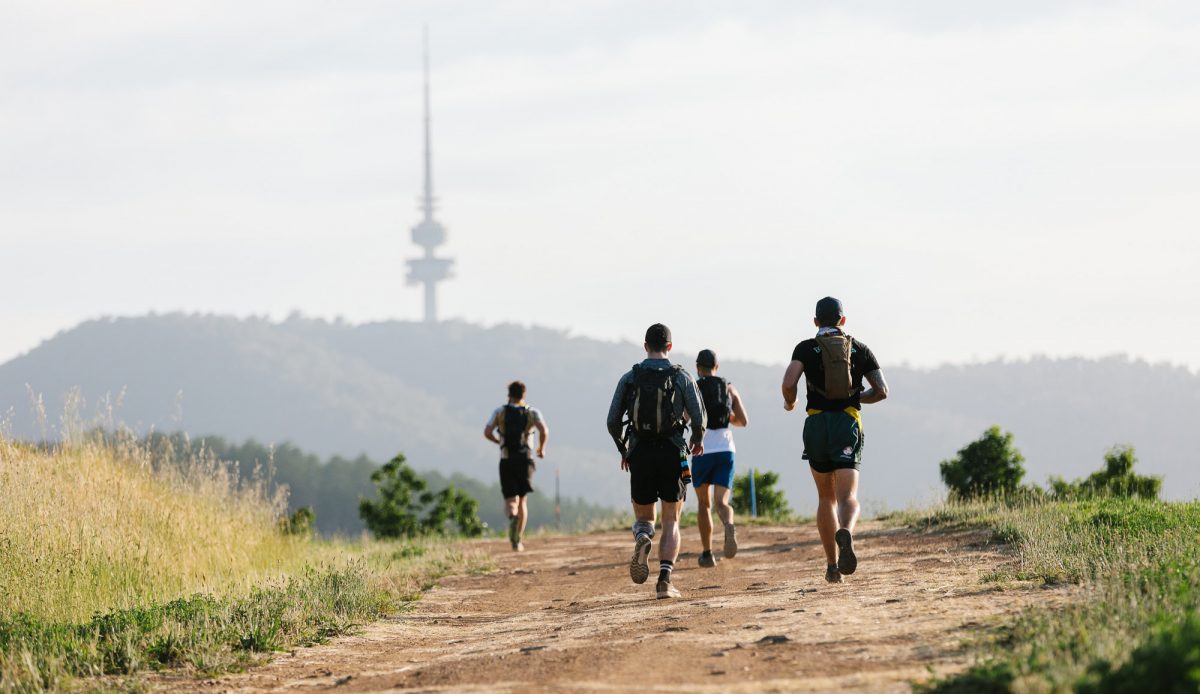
{"points": [[640, 527]]}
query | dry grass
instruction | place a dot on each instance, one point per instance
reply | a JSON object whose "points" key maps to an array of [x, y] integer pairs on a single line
{"points": [[91, 527], [115, 558]]}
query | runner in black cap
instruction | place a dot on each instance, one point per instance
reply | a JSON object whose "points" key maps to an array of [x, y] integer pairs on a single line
{"points": [[835, 366], [712, 473], [660, 400]]}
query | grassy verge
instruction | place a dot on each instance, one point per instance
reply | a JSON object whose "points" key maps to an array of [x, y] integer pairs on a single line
{"points": [[116, 560], [1139, 566]]}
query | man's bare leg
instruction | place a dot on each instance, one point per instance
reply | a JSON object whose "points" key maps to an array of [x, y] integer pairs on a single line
{"points": [[704, 516], [827, 523], [846, 487], [721, 496], [512, 509], [668, 549], [522, 516]]}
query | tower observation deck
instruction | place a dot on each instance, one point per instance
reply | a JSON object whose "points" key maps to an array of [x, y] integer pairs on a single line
{"points": [[428, 269]]}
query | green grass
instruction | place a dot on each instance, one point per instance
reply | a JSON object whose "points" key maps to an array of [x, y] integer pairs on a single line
{"points": [[1138, 565], [117, 560]]}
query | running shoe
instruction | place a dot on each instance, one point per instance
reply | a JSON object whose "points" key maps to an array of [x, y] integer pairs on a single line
{"points": [[847, 563], [730, 541], [665, 590], [519, 547], [639, 570], [832, 575], [707, 560]]}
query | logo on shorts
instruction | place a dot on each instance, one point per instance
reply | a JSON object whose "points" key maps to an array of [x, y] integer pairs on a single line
{"points": [[848, 451]]}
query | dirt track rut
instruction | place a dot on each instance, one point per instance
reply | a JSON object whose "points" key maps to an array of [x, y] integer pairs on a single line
{"points": [[565, 616]]}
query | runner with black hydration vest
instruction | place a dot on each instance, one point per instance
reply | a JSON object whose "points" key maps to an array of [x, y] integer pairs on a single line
{"points": [[515, 422], [654, 404], [712, 472]]}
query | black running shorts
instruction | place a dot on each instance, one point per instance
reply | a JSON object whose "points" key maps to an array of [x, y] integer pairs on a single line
{"points": [[654, 472], [832, 441], [516, 476]]}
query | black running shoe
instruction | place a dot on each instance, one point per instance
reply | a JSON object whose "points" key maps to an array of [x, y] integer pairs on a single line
{"points": [[832, 575], [639, 569], [847, 562], [707, 560]]}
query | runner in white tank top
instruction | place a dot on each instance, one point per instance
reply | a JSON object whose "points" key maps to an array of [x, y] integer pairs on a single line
{"points": [[712, 472]]}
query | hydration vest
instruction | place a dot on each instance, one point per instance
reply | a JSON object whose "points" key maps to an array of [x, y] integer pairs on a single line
{"points": [[835, 360], [718, 403], [516, 421], [652, 402]]}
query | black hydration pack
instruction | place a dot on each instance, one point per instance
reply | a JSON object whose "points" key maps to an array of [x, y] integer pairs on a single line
{"points": [[653, 400], [516, 421], [718, 403]]}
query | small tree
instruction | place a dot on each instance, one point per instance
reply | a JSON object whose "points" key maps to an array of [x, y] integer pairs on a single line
{"points": [[988, 465], [1116, 479], [771, 502], [302, 522], [404, 497]]}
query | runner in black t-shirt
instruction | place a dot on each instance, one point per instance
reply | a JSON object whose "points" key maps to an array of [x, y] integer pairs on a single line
{"points": [[833, 436]]}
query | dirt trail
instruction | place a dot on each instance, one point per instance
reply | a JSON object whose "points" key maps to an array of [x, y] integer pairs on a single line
{"points": [[564, 615]]}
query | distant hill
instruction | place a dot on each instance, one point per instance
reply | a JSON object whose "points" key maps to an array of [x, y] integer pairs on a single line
{"points": [[338, 389]]}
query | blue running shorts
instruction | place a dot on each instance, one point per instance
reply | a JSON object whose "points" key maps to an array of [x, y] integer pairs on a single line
{"points": [[713, 468]]}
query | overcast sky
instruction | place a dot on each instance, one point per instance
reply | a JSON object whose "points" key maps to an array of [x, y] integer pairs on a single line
{"points": [[972, 182]]}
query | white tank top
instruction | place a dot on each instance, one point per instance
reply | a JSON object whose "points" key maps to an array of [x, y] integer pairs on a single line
{"points": [[719, 440]]}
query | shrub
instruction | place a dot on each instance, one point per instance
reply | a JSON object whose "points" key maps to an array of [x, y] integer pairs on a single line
{"points": [[1117, 479], [406, 507], [771, 502], [986, 466], [302, 522]]}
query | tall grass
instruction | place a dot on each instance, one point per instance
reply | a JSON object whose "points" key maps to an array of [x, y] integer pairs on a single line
{"points": [[92, 526], [1138, 566], [116, 557]]}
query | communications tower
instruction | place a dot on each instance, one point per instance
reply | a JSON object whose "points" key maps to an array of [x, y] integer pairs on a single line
{"points": [[428, 269]]}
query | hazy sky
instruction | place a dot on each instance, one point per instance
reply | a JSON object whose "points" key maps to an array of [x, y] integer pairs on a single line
{"points": [[972, 182]]}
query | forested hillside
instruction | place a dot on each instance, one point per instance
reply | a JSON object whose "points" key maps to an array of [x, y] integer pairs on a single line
{"points": [[426, 390]]}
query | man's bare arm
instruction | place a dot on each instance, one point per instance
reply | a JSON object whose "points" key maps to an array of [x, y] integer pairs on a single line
{"points": [[489, 433], [543, 437], [878, 390], [738, 417], [791, 379]]}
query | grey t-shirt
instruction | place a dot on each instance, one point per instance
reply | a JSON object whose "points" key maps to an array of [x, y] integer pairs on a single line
{"points": [[496, 421]]}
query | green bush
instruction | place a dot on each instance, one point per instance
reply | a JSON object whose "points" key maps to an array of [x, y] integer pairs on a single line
{"points": [[771, 502], [303, 522], [1117, 479], [406, 507], [989, 465]]}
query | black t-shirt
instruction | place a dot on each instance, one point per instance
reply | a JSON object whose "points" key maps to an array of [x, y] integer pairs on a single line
{"points": [[862, 361]]}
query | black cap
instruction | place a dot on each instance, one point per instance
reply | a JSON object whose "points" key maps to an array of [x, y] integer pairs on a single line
{"points": [[829, 311], [706, 359], [658, 335]]}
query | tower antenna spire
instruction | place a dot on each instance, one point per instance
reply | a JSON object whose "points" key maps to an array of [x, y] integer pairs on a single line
{"points": [[427, 198], [428, 269]]}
